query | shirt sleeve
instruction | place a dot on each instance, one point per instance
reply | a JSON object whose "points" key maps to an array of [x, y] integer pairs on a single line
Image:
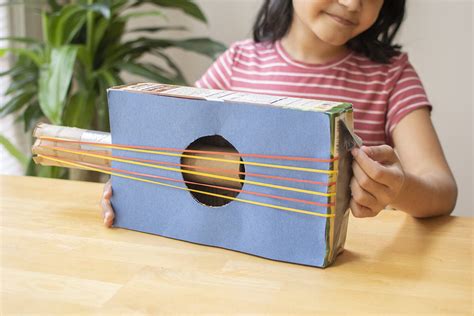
{"points": [[407, 94], [219, 75]]}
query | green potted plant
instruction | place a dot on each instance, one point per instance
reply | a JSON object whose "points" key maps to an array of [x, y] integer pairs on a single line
{"points": [[63, 78]]}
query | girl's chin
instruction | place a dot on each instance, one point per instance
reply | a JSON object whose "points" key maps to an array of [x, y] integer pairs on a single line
{"points": [[331, 35], [333, 39]]}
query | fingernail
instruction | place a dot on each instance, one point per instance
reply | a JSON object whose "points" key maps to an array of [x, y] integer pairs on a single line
{"points": [[354, 151]]}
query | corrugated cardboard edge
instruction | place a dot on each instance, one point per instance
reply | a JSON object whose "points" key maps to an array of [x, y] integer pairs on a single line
{"points": [[336, 227]]}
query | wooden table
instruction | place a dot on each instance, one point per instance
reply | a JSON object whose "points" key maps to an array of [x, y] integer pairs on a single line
{"points": [[58, 258]]}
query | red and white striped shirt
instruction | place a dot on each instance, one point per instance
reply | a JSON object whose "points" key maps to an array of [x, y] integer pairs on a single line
{"points": [[381, 94]]}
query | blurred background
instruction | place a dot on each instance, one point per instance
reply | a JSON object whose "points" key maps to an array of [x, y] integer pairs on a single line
{"points": [[437, 34]]}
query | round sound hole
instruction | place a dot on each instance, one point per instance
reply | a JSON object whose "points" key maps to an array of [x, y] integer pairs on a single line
{"points": [[215, 174]]}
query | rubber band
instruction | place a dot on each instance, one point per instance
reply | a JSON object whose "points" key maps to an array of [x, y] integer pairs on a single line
{"points": [[193, 190], [195, 172], [200, 184], [119, 146], [250, 163], [228, 171]]}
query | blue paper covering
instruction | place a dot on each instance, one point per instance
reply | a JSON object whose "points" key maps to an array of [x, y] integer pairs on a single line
{"points": [[164, 121]]}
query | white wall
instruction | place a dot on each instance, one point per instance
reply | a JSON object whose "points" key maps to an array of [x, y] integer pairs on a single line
{"points": [[439, 38], [437, 34]]}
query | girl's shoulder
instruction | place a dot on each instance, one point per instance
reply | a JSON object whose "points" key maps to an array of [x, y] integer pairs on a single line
{"points": [[244, 56], [361, 67], [268, 52], [249, 46], [360, 61]]}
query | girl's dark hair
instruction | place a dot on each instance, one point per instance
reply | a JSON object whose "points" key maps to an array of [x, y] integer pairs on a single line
{"points": [[275, 16]]}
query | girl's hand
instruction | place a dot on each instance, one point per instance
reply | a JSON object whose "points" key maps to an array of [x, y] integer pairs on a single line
{"points": [[107, 210], [378, 179]]}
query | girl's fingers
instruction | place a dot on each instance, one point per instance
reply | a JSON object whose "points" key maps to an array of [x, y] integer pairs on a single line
{"points": [[378, 190], [107, 210], [362, 197], [363, 179], [382, 153], [359, 210], [109, 219], [107, 194], [375, 170]]}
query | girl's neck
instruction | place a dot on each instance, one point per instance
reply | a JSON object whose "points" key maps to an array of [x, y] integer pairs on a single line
{"points": [[303, 45]]}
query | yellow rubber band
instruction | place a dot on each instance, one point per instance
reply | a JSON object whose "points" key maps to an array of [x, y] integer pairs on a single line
{"points": [[290, 209], [274, 186], [250, 163]]}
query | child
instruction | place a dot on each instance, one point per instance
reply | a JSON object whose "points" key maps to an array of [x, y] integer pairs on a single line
{"points": [[342, 50]]}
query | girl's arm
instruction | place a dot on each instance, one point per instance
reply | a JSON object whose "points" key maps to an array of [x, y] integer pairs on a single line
{"points": [[414, 177], [430, 188]]}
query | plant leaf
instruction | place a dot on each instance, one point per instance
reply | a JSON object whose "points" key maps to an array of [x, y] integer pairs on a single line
{"points": [[204, 45], [54, 5], [31, 168], [21, 66], [46, 28], [187, 6], [17, 102], [140, 14], [28, 53], [109, 44], [84, 57], [159, 29], [27, 40], [146, 71], [179, 77], [54, 81], [51, 172], [103, 9], [100, 29], [80, 110], [118, 5], [67, 23], [22, 81], [14, 151], [109, 78], [31, 115]]}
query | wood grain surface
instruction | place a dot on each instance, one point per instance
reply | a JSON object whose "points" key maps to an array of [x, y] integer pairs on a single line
{"points": [[56, 257]]}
